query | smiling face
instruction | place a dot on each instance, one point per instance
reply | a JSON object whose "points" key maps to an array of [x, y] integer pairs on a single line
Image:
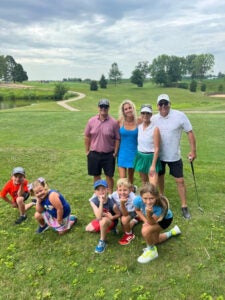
{"points": [[18, 178], [40, 192], [128, 110], [164, 107], [148, 199], [123, 191]]}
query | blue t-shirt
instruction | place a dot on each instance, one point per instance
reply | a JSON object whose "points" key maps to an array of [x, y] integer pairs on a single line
{"points": [[157, 210], [51, 209]]}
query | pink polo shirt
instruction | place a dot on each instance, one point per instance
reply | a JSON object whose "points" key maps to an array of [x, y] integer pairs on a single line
{"points": [[102, 134]]}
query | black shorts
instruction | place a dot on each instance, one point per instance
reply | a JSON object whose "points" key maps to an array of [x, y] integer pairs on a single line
{"points": [[98, 161], [26, 196], [165, 223], [176, 168]]}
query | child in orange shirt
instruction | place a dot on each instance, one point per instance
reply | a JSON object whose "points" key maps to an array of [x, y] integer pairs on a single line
{"points": [[17, 188]]}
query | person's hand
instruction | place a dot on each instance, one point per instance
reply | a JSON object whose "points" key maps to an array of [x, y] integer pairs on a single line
{"points": [[123, 200], [149, 210], [101, 198], [108, 215], [152, 171], [191, 156]]}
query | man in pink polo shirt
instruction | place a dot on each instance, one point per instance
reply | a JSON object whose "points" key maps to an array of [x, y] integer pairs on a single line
{"points": [[102, 143]]}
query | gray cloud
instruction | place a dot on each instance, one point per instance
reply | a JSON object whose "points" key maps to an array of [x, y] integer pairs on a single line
{"points": [[71, 38]]}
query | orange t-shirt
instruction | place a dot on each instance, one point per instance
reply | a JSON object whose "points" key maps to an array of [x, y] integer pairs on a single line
{"points": [[12, 189]]}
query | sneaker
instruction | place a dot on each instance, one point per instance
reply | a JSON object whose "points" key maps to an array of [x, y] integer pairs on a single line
{"points": [[73, 220], [185, 213], [100, 248], [42, 228], [34, 201], [126, 239], [20, 219], [148, 255], [135, 188], [175, 230]]}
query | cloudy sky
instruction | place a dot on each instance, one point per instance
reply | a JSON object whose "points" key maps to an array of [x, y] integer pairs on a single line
{"points": [[56, 39]]}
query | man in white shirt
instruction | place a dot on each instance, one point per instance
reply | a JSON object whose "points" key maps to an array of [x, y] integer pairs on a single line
{"points": [[171, 124]]}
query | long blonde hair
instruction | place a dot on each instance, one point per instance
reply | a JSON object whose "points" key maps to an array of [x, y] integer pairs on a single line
{"points": [[161, 201], [121, 110]]}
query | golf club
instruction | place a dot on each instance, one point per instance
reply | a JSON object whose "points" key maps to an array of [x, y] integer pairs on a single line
{"points": [[196, 191]]}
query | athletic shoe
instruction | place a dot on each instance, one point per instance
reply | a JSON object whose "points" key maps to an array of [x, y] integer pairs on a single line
{"points": [[148, 255], [126, 239], [73, 220], [20, 219], [185, 213], [175, 230], [42, 228], [100, 248], [135, 188]]}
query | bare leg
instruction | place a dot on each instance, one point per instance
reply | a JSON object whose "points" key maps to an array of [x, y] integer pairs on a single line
{"points": [[29, 205], [21, 205], [144, 178], [122, 172], [95, 178], [39, 218], [131, 175], [161, 184], [110, 183], [181, 191]]}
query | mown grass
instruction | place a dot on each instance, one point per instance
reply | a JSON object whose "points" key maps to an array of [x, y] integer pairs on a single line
{"points": [[47, 141]]}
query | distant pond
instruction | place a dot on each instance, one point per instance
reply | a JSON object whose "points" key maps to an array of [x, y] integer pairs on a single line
{"points": [[7, 104]]}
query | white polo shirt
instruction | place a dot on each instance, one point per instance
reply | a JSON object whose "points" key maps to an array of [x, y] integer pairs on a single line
{"points": [[171, 128]]}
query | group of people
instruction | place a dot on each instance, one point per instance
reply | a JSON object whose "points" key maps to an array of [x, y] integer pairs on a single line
{"points": [[146, 144], [51, 208]]}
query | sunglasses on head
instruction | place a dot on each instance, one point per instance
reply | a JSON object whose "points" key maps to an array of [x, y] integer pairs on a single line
{"points": [[163, 102], [103, 106], [146, 105]]}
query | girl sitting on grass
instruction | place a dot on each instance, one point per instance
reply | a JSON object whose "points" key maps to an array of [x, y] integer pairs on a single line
{"points": [[153, 210], [52, 209]]}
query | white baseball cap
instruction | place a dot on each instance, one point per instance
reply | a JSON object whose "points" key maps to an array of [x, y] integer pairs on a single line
{"points": [[163, 97]]}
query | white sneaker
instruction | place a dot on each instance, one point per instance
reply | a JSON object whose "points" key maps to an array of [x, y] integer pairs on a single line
{"points": [[175, 230], [148, 255]]}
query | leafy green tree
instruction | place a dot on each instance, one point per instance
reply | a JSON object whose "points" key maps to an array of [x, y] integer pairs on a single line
{"points": [[103, 82], [137, 78], [193, 86], [19, 74], [2, 67], [114, 73], [10, 66], [143, 66], [93, 85], [203, 87], [59, 91], [199, 65]]}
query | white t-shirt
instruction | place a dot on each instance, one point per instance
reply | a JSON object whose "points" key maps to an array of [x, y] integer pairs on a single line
{"points": [[145, 138], [129, 204], [171, 128]]}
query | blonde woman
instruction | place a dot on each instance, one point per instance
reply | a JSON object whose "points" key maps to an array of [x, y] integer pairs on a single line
{"points": [[128, 139]]}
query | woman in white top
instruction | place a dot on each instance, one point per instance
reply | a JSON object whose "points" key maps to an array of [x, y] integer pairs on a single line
{"points": [[147, 161]]}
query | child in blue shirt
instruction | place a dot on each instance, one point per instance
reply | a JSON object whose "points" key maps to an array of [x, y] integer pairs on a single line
{"points": [[153, 210], [106, 214]]}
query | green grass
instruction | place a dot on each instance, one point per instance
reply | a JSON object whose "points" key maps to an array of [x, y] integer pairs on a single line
{"points": [[47, 141]]}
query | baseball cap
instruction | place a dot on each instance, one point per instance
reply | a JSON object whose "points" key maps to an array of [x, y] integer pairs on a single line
{"points": [[103, 102], [100, 182], [163, 97], [18, 170], [146, 108]]}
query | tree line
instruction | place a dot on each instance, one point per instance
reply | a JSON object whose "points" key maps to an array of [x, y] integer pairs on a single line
{"points": [[11, 71]]}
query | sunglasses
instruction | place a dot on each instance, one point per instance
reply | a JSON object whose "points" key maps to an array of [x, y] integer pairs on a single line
{"points": [[103, 106], [146, 105], [163, 102]]}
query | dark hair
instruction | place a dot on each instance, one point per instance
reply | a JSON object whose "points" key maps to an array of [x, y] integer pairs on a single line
{"points": [[161, 200]]}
